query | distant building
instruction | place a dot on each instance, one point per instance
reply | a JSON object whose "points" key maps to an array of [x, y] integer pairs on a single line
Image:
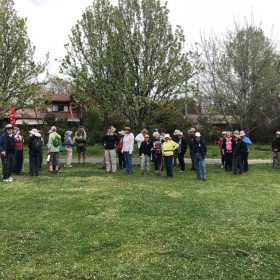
{"points": [[57, 104]]}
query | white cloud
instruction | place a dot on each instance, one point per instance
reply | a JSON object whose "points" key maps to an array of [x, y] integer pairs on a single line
{"points": [[49, 21]]}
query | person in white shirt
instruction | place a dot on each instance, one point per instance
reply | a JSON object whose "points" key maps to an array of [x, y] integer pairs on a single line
{"points": [[127, 149], [141, 137]]}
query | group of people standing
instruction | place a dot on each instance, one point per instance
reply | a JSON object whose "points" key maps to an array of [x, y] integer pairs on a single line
{"points": [[234, 149], [162, 149]]}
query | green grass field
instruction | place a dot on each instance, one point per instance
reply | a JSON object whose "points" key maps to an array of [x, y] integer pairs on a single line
{"points": [[85, 224], [256, 151]]}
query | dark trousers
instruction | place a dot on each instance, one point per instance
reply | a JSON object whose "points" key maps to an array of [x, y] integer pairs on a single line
{"points": [[222, 158], [18, 162], [34, 164], [7, 165], [237, 164], [168, 160], [228, 161], [40, 158], [121, 160], [181, 161], [192, 158], [245, 161], [175, 156], [157, 158]]}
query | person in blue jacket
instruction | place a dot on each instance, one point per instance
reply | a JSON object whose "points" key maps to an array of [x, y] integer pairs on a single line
{"points": [[8, 150], [245, 154]]}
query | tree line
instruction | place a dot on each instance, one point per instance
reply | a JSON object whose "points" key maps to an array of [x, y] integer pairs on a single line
{"points": [[130, 63]]}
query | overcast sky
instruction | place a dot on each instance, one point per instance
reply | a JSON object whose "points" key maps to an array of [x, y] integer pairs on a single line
{"points": [[49, 21]]}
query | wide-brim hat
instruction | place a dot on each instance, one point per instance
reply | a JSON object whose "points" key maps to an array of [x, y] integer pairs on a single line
{"points": [[192, 129], [176, 132], [237, 136], [242, 133], [224, 133], [35, 132], [9, 126], [122, 132], [127, 128], [167, 136], [197, 134]]}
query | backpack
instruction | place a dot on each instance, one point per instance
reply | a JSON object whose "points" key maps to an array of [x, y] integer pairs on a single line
{"points": [[228, 145], [36, 144], [57, 140], [157, 147]]}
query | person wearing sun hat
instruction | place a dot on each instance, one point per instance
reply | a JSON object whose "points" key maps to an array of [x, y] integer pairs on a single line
{"points": [[276, 148], [168, 148], [199, 152], [181, 151], [192, 139], [8, 150], [239, 148], [34, 145], [245, 154]]}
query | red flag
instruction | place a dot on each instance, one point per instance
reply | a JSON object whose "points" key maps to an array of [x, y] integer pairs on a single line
{"points": [[12, 115]]}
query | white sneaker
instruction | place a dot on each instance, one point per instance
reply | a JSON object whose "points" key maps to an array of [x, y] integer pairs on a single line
{"points": [[222, 166], [6, 180], [11, 179]]}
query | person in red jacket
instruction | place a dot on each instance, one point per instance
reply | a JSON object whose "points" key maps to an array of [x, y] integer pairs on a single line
{"points": [[19, 154], [119, 149]]}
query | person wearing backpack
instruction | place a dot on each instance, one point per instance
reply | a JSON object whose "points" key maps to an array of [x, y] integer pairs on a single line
{"points": [[81, 141], [54, 142], [34, 145], [157, 152], [68, 144], [227, 150]]}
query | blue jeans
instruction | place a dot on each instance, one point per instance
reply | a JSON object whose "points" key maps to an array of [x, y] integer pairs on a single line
{"points": [[128, 162], [200, 166]]}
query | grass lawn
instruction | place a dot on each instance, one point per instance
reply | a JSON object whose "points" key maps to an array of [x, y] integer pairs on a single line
{"points": [[85, 224], [256, 151]]}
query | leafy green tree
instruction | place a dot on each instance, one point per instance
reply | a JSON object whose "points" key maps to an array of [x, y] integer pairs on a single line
{"points": [[127, 58], [241, 76], [18, 71]]}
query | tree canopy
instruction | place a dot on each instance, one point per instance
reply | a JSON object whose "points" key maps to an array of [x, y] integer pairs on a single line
{"points": [[18, 70], [241, 76], [127, 58]]}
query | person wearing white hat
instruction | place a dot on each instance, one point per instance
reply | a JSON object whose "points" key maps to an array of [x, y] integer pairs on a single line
{"points": [[245, 154], [199, 151], [168, 148], [175, 138], [34, 145], [192, 139], [7, 150], [276, 148]]}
